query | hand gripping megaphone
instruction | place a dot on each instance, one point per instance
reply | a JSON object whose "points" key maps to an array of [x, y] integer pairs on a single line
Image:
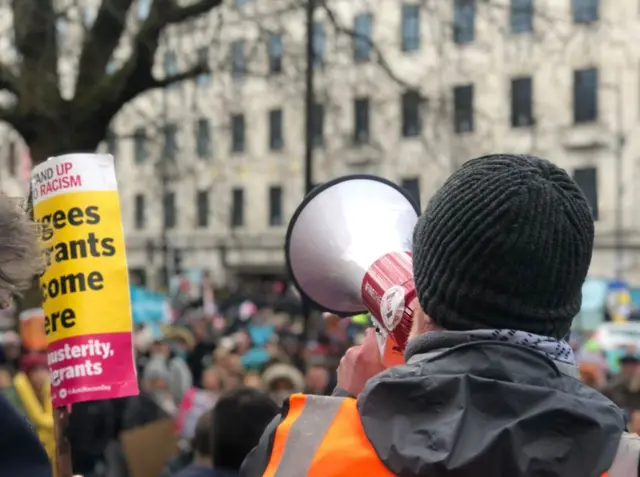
{"points": [[348, 249]]}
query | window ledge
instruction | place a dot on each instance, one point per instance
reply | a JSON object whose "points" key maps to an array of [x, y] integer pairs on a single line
{"points": [[586, 136]]}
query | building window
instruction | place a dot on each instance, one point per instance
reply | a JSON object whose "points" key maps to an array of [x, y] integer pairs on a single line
{"points": [[410, 27], [169, 210], [585, 95], [521, 102], [361, 120], [362, 37], [521, 13], [317, 119], [275, 206], [276, 140], [411, 123], [140, 213], [203, 138], [237, 208], [237, 133], [140, 145], [587, 180], [275, 50], [412, 186], [203, 79], [463, 108], [202, 206], [112, 143], [12, 159], [238, 64], [319, 40], [464, 21], [144, 7], [170, 146], [170, 66], [584, 11]]}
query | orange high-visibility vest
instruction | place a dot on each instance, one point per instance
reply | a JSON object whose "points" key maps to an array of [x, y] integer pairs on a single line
{"points": [[323, 437]]}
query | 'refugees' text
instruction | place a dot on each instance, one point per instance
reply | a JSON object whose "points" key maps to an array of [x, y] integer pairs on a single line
{"points": [[64, 248]]}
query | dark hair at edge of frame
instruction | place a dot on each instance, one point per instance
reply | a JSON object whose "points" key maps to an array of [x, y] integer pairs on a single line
{"points": [[21, 257], [201, 442], [238, 421]]}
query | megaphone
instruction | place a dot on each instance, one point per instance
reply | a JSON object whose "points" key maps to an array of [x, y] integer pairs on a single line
{"points": [[348, 250]]}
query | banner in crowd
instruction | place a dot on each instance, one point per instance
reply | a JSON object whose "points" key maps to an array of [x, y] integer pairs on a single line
{"points": [[85, 286], [149, 307]]}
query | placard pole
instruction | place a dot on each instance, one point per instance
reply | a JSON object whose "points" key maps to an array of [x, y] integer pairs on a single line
{"points": [[64, 467]]}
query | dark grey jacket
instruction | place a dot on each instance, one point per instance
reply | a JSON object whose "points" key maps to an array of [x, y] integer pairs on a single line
{"points": [[485, 408]]}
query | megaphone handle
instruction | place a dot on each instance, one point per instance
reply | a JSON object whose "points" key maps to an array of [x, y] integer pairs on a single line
{"points": [[388, 292]]}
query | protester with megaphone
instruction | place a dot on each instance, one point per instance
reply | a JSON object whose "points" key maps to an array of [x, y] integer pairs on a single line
{"points": [[489, 386]]}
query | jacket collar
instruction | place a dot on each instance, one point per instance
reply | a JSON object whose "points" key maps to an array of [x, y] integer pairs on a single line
{"points": [[431, 345]]}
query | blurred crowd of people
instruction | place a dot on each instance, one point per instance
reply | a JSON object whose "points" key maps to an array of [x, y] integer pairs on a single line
{"points": [[251, 350], [623, 387], [210, 350]]}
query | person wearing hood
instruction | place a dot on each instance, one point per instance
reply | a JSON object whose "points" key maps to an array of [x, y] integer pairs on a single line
{"points": [[281, 381], [172, 348], [489, 386], [155, 400], [624, 389]]}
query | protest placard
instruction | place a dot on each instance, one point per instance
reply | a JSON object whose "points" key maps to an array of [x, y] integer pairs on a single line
{"points": [[85, 285]]}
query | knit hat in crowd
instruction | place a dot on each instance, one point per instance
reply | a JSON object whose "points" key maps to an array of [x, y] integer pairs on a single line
{"points": [[504, 244]]}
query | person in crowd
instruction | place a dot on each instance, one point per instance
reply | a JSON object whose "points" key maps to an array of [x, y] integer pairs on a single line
{"points": [[252, 379], [281, 381], [91, 428], [11, 349], [634, 422], [197, 401], [30, 396], [6, 379], [238, 420], [201, 464], [20, 261], [592, 375], [172, 349], [198, 358], [155, 401], [233, 381], [489, 386], [624, 389], [229, 360], [317, 380]]}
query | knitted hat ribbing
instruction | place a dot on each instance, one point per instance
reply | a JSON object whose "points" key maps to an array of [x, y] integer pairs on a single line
{"points": [[505, 243]]}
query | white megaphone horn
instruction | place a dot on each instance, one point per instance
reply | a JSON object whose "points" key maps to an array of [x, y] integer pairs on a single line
{"points": [[348, 249]]}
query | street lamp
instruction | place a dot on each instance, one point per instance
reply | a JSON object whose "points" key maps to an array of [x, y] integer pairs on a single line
{"points": [[620, 140], [308, 156]]}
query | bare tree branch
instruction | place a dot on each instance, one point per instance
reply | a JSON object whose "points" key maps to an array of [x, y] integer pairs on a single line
{"points": [[8, 80], [135, 76], [191, 73], [34, 23], [100, 42], [380, 59], [179, 14]]}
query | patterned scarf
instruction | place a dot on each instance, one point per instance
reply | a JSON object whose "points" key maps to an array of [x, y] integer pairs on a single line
{"points": [[557, 350]]}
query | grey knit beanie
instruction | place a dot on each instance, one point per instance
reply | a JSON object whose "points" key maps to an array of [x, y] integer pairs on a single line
{"points": [[504, 244]]}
